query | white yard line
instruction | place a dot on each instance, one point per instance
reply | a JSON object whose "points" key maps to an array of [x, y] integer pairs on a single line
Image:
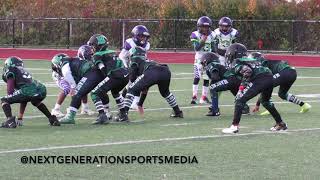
{"points": [[145, 141], [181, 124]]}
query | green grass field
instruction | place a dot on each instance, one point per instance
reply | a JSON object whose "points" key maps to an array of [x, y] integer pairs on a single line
{"points": [[255, 153]]}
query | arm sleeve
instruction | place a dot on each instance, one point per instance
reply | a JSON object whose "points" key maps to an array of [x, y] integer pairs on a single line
{"points": [[143, 96], [197, 45], [236, 37], [66, 72], [258, 101], [10, 85], [124, 56]]}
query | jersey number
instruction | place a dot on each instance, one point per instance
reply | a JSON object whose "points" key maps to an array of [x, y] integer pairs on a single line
{"points": [[26, 75]]}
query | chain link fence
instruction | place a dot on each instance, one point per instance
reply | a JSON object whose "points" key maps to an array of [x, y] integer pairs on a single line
{"points": [[167, 34]]}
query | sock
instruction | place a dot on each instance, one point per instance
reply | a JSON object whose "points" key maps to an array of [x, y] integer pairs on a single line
{"points": [[292, 98], [124, 92], [171, 100], [214, 102], [43, 108], [120, 102], [99, 106], [195, 90], [85, 106], [57, 106], [128, 101], [7, 110], [136, 100], [205, 91], [106, 108]]}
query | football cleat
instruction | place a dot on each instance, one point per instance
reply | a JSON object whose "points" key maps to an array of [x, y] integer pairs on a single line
{"points": [[10, 123], [102, 119], [204, 100], [211, 113], [57, 113], [177, 114], [305, 108], [231, 130], [68, 118], [54, 121], [122, 117], [279, 127], [194, 100]]}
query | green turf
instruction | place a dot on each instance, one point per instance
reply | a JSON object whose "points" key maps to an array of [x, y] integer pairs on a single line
{"points": [[253, 154]]}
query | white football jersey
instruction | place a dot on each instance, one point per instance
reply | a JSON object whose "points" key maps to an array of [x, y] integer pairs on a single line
{"points": [[196, 37], [224, 40], [125, 54]]}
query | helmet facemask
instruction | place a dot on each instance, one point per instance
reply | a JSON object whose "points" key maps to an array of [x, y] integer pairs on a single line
{"points": [[204, 29], [225, 28]]}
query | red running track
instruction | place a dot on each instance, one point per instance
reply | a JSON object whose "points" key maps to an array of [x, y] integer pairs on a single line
{"points": [[163, 57]]}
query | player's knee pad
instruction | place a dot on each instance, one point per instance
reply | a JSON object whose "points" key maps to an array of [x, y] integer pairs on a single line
{"points": [[283, 95], [206, 83], [196, 81]]}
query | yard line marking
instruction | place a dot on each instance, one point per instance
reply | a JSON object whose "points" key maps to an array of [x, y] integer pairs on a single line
{"points": [[280, 132], [145, 141], [187, 107], [241, 127], [309, 95], [181, 124]]}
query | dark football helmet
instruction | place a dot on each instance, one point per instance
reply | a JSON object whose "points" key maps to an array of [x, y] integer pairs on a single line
{"points": [[98, 42], [235, 51], [85, 52], [204, 25], [225, 24], [256, 55], [208, 58]]}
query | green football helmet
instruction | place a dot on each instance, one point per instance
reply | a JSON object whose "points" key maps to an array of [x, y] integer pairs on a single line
{"points": [[99, 42], [56, 61], [13, 61]]}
